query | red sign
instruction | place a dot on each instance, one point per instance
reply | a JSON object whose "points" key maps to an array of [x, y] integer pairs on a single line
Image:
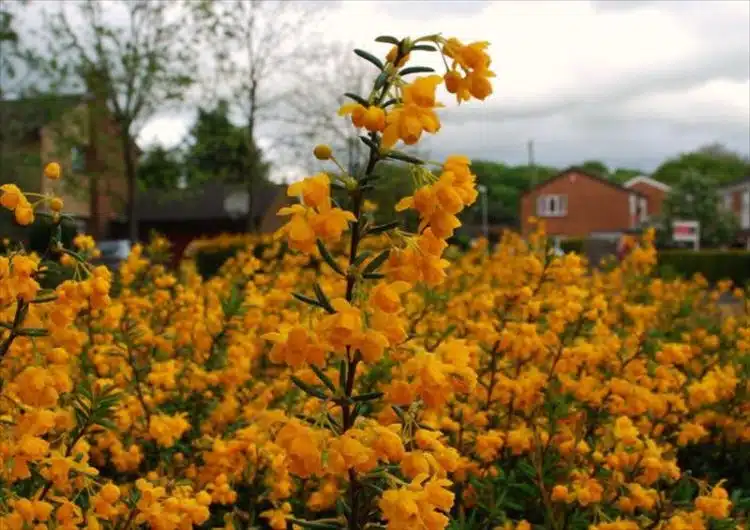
{"points": [[683, 230]]}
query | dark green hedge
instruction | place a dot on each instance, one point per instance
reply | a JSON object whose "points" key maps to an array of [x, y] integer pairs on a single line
{"points": [[714, 265], [208, 262], [572, 245]]}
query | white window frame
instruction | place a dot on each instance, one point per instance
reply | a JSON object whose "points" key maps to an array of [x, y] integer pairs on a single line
{"points": [[643, 209], [552, 205], [745, 211]]}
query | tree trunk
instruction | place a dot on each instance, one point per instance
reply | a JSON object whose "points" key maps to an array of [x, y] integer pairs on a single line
{"points": [[132, 184], [251, 163]]}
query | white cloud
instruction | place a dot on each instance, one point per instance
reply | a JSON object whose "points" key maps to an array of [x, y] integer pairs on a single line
{"points": [[586, 79]]}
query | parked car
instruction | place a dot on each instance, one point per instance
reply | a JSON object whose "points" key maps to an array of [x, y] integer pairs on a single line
{"points": [[113, 252]]}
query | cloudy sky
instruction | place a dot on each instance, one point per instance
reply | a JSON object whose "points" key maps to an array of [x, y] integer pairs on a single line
{"points": [[628, 82]]}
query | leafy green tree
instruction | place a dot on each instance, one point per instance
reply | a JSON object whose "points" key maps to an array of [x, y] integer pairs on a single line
{"points": [[135, 65], [219, 149], [161, 169], [713, 161], [596, 167], [623, 174], [695, 197]]}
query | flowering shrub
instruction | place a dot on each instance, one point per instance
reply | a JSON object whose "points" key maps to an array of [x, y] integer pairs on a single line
{"points": [[390, 387]]}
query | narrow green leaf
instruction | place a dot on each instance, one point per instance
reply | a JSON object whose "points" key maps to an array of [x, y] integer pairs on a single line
{"points": [[387, 39], [369, 179], [325, 303], [369, 143], [390, 102], [362, 256], [359, 99], [367, 397], [376, 262], [32, 332], [399, 412], [307, 388], [367, 56], [379, 229], [307, 300], [323, 377], [44, 299], [326, 255], [317, 525], [417, 70], [398, 155], [380, 80], [423, 48], [373, 276]]}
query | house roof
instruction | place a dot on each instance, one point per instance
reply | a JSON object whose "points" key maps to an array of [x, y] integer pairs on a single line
{"points": [[24, 117], [202, 204], [736, 183], [643, 179], [580, 171]]}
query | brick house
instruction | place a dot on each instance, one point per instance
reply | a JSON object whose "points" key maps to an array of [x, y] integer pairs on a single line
{"points": [[736, 197], [654, 191], [79, 133], [575, 203]]}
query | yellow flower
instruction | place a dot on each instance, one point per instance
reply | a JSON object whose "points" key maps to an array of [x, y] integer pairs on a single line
{"points": [[315, 191], [11, 196], [52, 171]]}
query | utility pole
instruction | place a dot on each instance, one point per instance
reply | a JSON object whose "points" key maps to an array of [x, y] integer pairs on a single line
{"points": [[531, 162]]}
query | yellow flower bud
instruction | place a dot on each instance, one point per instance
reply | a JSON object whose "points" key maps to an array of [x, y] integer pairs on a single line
{"points": [[322, 152], [52, 171], [56, 204]]}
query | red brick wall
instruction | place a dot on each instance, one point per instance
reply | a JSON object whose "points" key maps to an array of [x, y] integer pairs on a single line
{"points": [[592, 206], [654, 197]]}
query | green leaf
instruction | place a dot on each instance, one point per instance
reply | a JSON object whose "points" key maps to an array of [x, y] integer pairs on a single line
{"points": [[376, 262], [359, 99], [323, 377], [367, 56], [325, 303], [317, 525], [307, 300], [373, 276], [390, 102], [326, 255], [307, 388], [367, 397], [362, 256], [399, 412], [387, 39], [416, 70], [380, 80], [44, 299], [32, 332], [423, 48], [398, 155], [379, 229], [369, 143]]}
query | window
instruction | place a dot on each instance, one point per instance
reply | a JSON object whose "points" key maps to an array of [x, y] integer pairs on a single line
{"points": [[642, 210], [728, 201], [77, 159], [552, 205]]}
